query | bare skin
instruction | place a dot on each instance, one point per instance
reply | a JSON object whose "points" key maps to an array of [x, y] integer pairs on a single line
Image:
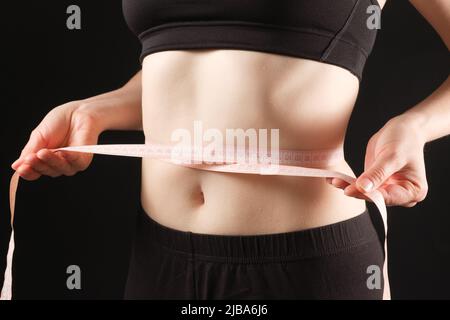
{"points": [[257, 90], [308, 101]]}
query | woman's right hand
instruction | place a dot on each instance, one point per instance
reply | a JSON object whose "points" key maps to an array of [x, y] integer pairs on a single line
{"points": [[70, 124]]}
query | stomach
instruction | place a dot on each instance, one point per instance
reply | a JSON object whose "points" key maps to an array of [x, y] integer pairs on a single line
{"points": [[308, 101]]}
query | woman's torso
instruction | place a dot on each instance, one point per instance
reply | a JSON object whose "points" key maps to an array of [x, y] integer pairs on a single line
{"points": [[308, 101]]}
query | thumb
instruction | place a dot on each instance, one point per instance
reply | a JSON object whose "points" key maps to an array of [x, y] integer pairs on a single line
{"points": [[35, 143], [83, 136], [382, 168]]}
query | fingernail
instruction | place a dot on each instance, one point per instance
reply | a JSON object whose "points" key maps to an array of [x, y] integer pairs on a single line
{"points": [[365, 184]]}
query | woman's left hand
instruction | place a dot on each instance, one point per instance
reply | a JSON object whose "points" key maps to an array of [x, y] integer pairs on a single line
{"points": [[394, 165]]}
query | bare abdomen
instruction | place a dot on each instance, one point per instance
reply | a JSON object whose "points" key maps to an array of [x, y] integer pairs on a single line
{"points": [[309, 102]]}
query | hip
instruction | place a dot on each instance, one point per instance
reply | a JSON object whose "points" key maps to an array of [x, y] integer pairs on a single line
{"points": [[329, 262]]}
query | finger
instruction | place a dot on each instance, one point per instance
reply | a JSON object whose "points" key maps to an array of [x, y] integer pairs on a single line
{"points": [[410, 205], [336, 182], [39, 166], [17, 163], [339, 183], [56, 162], [397, 195], [382, 168], [69, 156], [35, 143], [78, 160], [352, 191], [27, 173]]}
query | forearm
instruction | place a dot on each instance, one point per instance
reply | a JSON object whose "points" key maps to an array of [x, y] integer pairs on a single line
{"points": [[120, 109], [431, 116]]}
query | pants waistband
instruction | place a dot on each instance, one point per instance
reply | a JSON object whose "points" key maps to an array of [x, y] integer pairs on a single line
{"points": [[309, 243]]}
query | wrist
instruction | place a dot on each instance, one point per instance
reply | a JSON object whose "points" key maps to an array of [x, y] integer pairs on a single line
{"points": [[95, 113], [116, 110], [415, 123]]}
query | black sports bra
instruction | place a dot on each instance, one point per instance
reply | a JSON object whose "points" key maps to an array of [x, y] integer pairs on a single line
{"points": [[330, 31]]}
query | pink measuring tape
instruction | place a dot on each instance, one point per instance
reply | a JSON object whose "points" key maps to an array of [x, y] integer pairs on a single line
{"points": [[289, 163]]}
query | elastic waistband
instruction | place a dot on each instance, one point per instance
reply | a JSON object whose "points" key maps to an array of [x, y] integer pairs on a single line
{"points": [[320, 241]]}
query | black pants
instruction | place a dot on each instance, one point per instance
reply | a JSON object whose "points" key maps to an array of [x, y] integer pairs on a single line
{"points": [[329, 262]]}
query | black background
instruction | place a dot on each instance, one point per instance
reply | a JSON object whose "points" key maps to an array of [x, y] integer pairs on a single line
{"points": [[88, 219]]}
